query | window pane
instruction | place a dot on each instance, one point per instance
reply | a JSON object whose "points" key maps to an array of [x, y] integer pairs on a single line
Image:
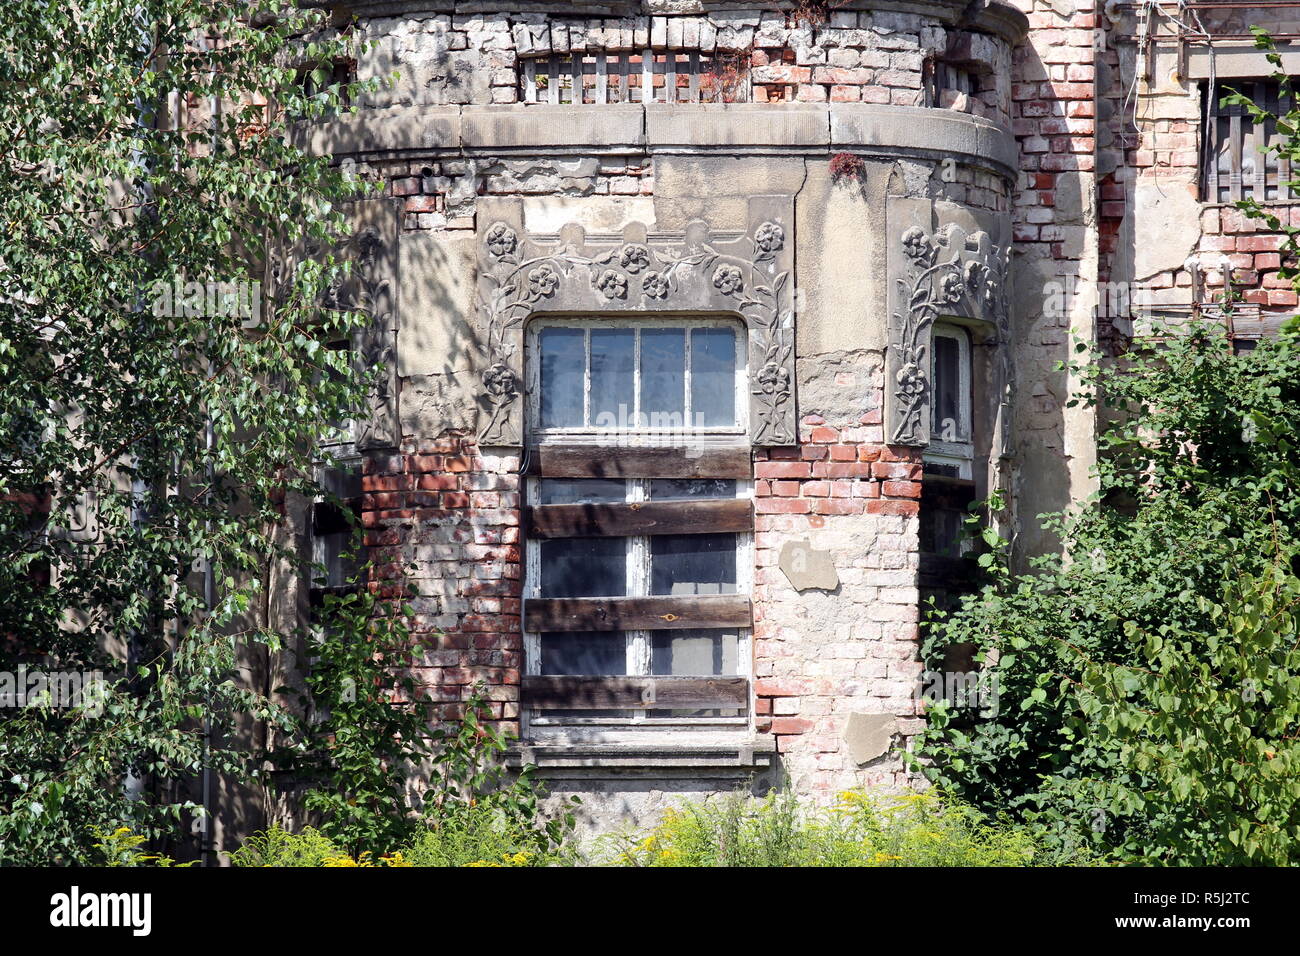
{"points": [[563, 364], [713, 377], [574, 491], [583, 567], [693, 564], [584, 652], [698, 652], [947, 424], [613, 354], [663, 378], [668, 488]]}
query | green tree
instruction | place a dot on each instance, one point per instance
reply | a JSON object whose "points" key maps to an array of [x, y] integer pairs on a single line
{"points": [[143, 144]]}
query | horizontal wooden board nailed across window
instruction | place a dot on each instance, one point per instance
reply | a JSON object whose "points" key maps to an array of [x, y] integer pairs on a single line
{"points": [[640, 518], [629, 693], [637, 613], [592, 461]]}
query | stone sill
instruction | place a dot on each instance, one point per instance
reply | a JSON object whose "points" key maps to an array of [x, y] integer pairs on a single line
{"points": [[748, 753], [745, 128]]}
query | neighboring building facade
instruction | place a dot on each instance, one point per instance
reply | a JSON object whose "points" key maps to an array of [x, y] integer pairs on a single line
{"points": [[705, 323]]}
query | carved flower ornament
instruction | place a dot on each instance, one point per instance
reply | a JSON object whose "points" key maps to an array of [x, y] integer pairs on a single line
{"points": [[543, 280], [770, 237], [501, 240], [916, 243], [951, 288], [728, 280], [500, 381], [635, 258], [774, 379], [910, 381], [613, 285], [655, 285]]}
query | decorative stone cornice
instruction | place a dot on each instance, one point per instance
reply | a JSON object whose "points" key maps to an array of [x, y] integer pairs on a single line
{"points": [[695, 272]]}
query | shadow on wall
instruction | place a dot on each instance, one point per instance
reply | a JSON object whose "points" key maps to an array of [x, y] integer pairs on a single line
{"points": [[1054, 274], [440, 347]]}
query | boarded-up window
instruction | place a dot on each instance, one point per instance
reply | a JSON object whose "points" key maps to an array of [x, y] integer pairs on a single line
{"points": [[1236, 163]]}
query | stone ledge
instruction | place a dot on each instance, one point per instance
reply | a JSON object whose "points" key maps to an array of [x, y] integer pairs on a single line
{"points": [[746, 754], [889, 128], [514, 127], [703, 128], [697, 126], [377, 131]]}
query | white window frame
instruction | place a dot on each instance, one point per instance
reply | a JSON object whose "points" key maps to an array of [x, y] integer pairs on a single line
{"points": [[959, 453], [535, 726], [637, 433]]}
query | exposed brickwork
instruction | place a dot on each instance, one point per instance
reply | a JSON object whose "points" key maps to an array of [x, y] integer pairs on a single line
{"points": [[820, 656], [872, 57], [442, 531]]}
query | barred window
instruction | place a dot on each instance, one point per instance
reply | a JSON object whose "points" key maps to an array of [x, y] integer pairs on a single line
{"points": [[1234, 164]]}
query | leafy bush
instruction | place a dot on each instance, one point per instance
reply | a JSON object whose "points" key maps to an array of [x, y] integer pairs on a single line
{"points": [[861, 829], [364, 748], [1158, 602]]}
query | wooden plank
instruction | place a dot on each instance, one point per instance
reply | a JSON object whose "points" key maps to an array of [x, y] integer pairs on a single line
{"points": [[670, 77], [1284, 102], [602, 79], [575, 72], [530, 81], [553, 79], [1257, 145], [647, 76], [712, 516], [1212, 149], [623, 59], [637, 613], [547, 692], [694, 77], [584, 461], [1235, 143]]}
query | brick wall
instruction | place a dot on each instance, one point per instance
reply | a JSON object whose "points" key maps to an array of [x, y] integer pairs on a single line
{"points": [[819, 656], [442, 531]]}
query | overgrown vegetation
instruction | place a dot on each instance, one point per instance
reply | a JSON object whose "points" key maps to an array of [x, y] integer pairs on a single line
{"points": [[149, 439], [861, 829], [1148, 682]]}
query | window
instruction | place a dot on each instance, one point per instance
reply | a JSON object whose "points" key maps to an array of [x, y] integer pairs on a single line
{"points": [[948, 488], [1234, 166], [593, 379], [950, 402], [638, 537], [336, 555]]}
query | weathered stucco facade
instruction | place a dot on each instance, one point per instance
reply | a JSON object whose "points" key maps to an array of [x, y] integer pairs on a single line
{"points": [[839, 188]]}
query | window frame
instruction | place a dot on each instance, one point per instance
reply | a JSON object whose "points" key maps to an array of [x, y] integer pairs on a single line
{"points": [[639, 726], [637, 643], [959, 453], [591, 434]]}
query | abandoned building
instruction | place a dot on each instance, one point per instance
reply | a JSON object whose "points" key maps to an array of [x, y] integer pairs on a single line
{"points": [[706, 321]]}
